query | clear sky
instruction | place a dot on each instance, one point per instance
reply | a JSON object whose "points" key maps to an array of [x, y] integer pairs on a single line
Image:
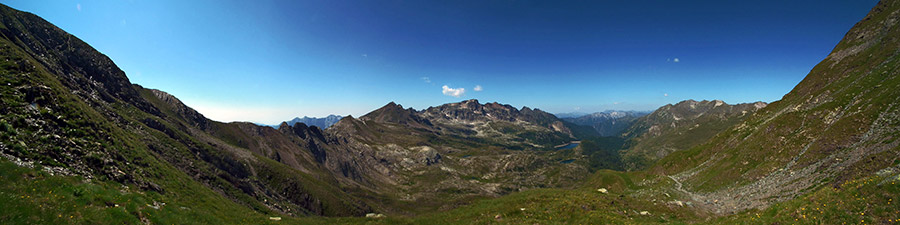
{"points": [[268, 61]]}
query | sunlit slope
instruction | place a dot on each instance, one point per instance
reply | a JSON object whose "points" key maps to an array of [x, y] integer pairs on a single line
{"points": [[840, 123]]}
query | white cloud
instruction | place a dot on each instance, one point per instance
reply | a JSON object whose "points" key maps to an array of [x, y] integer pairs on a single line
{"points": [[455, 92], [426, 79], [365, 55], [478, 88], [676, 60], [666, 94], [78, 7]]}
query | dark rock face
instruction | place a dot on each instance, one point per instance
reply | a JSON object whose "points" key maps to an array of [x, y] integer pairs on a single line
{"points": [[311, 136]]}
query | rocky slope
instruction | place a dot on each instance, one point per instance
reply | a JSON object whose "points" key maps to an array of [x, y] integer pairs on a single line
{"points": [[69, 108], [448, 154], [679, 127]]}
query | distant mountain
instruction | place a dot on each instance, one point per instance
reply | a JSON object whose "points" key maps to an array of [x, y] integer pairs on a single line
{"points": [[322, 123], [570, 114], [471, 111], [608, 123], [490, 120]]}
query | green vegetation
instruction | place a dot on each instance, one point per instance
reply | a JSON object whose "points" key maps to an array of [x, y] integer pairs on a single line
{"points": [[603, 152], [34, 196]]}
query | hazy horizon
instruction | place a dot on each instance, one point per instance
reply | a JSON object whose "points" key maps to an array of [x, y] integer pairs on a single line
{"points": [[268, 62]]}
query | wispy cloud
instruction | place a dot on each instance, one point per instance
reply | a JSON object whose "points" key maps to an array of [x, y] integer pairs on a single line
{"points": [[676, 60], [78, 6], [455, 92], [478, 88], [426, 79], [665, 94]]}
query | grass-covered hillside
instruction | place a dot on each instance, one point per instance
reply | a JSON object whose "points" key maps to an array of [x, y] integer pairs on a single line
{"points": [[679, 127], [839, 124]]}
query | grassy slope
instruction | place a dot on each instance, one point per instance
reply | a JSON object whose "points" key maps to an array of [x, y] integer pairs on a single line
{"points": [[845, 107], [30, 196], [280, 178], [645, 146], [34, 196]]}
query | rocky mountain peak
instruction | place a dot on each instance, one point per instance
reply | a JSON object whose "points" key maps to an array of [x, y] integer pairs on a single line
{"points": [[471, 103], [760, 105], [394, 113], [472, 110], [181, 109]]}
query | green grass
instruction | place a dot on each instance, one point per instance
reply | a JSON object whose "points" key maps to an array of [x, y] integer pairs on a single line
{"points": [[32, 196]]}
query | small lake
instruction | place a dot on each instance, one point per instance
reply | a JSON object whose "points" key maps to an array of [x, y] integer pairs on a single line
{"points": [[568, 146]]}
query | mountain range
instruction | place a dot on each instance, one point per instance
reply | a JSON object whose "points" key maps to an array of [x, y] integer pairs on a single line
{"points": [[81, 144], [323, 122], [608, 123]]}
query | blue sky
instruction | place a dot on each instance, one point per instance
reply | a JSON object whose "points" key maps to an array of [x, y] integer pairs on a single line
{"points": [[268, 61]]}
